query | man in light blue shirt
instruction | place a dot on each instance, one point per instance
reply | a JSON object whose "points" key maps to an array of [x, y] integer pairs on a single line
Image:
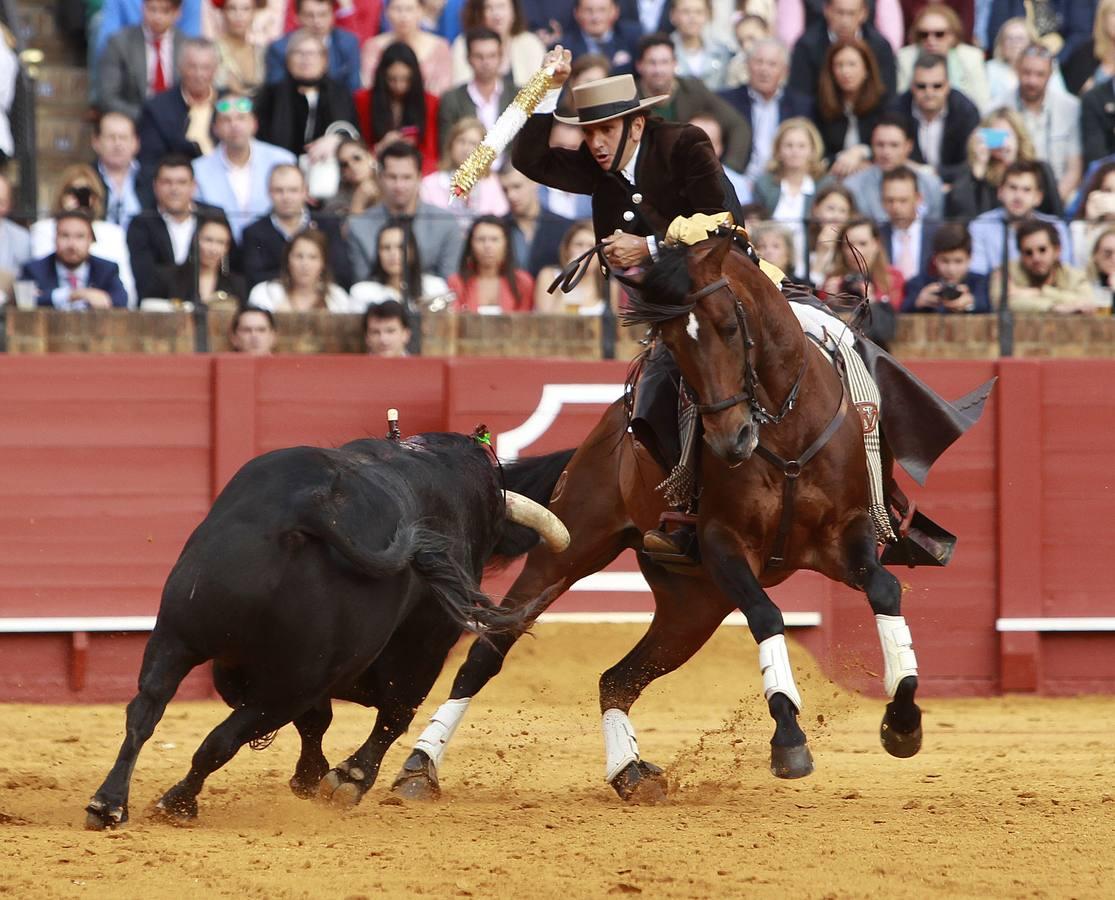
{"points": [[116, 144], [891, 146], [1020, 195], [235, 175]]}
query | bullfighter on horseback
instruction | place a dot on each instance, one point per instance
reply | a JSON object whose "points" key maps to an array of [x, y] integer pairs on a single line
{"points": [[644, 174], [810, 500]]}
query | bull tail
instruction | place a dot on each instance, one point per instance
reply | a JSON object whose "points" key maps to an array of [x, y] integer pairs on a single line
{"points": [[427, 554], [536, 476], [457, 592], [331, 522]]}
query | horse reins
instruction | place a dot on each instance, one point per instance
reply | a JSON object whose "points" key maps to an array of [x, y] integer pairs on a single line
{"points": [[749, 394], [791, 468]]}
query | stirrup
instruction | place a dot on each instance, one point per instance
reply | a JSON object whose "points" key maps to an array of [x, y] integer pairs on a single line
{"points": [[677, 548]]}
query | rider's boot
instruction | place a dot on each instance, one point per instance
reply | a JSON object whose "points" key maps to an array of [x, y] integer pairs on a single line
{"points": [[678, 543]]}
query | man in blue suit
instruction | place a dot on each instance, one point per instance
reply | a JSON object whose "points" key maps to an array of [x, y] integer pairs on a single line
{"points": [[70, 278], [179, 120], [316, 17], [766, 101], [597, 28]]}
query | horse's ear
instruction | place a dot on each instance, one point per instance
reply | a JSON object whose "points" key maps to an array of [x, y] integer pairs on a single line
{"points": [[713, 251]]}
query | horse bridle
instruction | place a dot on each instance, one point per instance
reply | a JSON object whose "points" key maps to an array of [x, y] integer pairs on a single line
{"points": [[751, 383], [572, 274]]}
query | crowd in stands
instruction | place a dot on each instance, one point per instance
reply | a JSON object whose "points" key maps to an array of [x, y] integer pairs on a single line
{"points": [[291, 155]]}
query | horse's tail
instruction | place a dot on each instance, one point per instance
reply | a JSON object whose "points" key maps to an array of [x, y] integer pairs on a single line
{"points": [[536, 476]]}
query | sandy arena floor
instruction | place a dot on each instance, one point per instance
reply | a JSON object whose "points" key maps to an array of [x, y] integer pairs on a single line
{"points": [[1009, 798]]}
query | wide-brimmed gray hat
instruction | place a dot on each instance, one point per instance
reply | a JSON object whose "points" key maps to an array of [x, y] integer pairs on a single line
{"points": [[607, 98]]}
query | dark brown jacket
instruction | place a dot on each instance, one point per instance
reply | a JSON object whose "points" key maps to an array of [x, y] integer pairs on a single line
{"points": [[677, 174]]}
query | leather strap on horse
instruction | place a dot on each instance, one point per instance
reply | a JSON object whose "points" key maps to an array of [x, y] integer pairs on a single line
{"points": [[791, 469]]}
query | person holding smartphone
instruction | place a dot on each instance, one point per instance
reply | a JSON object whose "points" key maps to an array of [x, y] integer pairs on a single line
{"points": [[397, 107], [954, 288]]}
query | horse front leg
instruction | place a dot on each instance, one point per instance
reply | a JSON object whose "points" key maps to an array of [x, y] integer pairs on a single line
{"points": [[900, 731], [732, 566]]}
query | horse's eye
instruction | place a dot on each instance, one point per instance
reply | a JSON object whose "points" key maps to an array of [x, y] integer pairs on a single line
{"points": [[730, 330]]}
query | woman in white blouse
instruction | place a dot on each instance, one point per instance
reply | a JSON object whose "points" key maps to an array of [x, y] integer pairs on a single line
{"points": [[304, 281], [794, 175], [386, 280]]}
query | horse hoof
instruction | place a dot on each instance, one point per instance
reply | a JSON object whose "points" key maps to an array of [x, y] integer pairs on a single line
{"points": [[344, 786], [328, 785], [417, 779], [641, 783], [99, 816], [346, 796], [791, 762], [899, 744]]}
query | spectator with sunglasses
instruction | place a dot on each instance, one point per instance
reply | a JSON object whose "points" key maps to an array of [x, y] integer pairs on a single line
{"points": [[1038, 280], [234, 176], [937, 30], [359, 188], [943, 118]]}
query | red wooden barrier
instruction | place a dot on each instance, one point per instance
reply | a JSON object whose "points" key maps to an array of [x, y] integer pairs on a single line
{"points": [[108, 462]]}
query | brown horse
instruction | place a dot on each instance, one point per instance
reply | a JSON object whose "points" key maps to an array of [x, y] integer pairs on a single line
{"points": [[742, 351]]}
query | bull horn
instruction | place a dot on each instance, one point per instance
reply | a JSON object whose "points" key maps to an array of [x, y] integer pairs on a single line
{"points": [[524, 511]]}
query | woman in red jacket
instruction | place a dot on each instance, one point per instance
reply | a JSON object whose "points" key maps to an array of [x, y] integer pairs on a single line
{"points": [[397, 107], [488, 280]]}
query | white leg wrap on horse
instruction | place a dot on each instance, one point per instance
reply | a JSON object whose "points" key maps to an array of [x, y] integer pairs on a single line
{"points": [[778, 677], [620, 747], [439, 732], [898, 651]]}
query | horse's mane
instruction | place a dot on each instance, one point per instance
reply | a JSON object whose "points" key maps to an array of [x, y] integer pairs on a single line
{"points": [[668, 282]]}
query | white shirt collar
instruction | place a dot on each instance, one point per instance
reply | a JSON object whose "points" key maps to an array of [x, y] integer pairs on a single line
{"points": [[756, 97], [80, 272], [303, 224], [808, 186], [222, 156], [628, 171], [921, 117]]}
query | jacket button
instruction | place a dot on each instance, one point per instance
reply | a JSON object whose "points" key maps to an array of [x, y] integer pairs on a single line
{"points": [[637, 197], [629, 216]]}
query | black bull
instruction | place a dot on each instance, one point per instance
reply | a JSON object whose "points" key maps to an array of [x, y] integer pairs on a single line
{"points": [[322, 574]]}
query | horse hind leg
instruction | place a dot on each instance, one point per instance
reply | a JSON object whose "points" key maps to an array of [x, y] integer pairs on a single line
{"points": [[900, 731], [166, 662], [542, 581]]}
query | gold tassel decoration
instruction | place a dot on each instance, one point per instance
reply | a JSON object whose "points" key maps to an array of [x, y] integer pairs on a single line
{"points": [[511, 120]]}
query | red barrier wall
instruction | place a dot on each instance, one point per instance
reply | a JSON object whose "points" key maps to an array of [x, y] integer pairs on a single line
{"points": [[108, 462]]}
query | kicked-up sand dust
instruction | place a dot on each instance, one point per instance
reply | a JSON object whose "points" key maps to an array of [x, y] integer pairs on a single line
{"points": [[1011, 797]]}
